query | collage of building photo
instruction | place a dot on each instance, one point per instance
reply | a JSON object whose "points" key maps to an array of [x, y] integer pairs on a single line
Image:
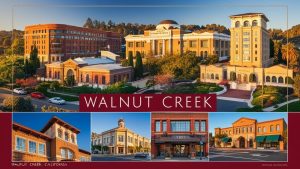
{"points": [[150, 137]]}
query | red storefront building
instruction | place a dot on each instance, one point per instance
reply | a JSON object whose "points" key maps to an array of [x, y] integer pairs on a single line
{"points": [[179, 135]]}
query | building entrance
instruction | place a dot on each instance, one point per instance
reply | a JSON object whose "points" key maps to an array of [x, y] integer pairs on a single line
{"points": [[181, 150]]}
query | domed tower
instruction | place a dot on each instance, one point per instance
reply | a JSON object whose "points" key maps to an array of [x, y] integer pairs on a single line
{"points": [[121, 123], [168, 24]]}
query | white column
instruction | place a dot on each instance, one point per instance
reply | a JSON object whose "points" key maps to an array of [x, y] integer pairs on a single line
{"points": [[153, 46]]}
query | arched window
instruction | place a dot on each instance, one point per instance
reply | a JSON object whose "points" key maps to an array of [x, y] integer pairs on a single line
{"points": [[217, 76], [254, 23], [201, 53], [212, 76], [50, 74], [277, 127], [271, 128], [205, 53], [274, 79], [96, 79], [87, 78], [246, 24], [280, 79], [66, 136], [72, 138], [268, 79], [237, 24]]}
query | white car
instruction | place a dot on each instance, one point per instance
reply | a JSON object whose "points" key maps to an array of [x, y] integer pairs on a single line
{"points": [[19, 91], [57, 100]]}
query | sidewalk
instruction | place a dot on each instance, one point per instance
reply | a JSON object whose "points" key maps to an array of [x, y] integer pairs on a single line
{"points": [[246, 149]]}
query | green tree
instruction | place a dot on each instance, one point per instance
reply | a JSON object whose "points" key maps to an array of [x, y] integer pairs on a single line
{"points": [[88, 23], [271, 48], [277, 52], [130, 59], [290, 54], [33, 63], [138, 69], [297, 85], [69, 81]]}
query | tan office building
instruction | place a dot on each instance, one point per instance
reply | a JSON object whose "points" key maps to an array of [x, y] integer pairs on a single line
{"points": [[169, 38], [121, 140], [250, 62]]}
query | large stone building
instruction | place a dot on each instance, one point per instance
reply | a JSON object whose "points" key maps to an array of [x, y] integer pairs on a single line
{"points": [[249, 133], [121, 140], [90, 71], [169, 38], [250, 63], [57, 141], [59, 42], [175, 135]]}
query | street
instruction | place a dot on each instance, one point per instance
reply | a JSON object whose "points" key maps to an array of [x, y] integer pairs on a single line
{"points": [[101, 157], [38, 103], [247, 155]]}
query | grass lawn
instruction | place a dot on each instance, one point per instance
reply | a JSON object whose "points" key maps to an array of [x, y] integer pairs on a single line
{"points": [[293, 107], [196, 88], [271, 95], [67, 98]]}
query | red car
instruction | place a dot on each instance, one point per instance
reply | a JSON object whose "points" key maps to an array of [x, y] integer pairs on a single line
{"points": [[37, 95]]}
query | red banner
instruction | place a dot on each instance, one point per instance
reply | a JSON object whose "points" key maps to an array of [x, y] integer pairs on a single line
{"points": [[147, 102]]}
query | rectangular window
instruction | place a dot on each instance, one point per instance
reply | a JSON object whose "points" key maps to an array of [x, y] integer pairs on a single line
{"points": [[246, 33], [203, 125], [32, 147], [42, 149], [197, 126], [138, 44], [121, 138], [164, 125], [180, 126], [193, 44], [70, 154], [130, 44], [245, 45], [157, 126], [20, 144], [204, 43], [63, 153]]}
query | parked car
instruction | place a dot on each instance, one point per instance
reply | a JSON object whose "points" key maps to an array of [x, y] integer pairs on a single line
{"points": [[37, 95], [57, 100], [19, 91], [142, 155]]}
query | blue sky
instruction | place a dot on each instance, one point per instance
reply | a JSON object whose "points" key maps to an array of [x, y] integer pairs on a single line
{"points": [[202, 12], [226, 119], [136, 121], [37, 121]]}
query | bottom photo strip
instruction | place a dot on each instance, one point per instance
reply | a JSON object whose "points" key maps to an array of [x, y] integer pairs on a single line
{"points": [[150, 136]]}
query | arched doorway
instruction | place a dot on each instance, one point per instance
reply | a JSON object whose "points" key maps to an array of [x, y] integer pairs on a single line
{"points": [[241, 142], [70, 73]]}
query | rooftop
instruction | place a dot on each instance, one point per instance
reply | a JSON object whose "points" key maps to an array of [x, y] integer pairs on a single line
{"points": [[168, 21], [106, 67], [250, 14], [57, 120], [93, 60]]}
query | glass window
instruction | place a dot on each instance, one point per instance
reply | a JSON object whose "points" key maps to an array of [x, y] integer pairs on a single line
{"points": [[164, 123], [73, 138], [254, 23], [121, 138], [277, 127], [193, 44], [272, 128], [180, 126], [237, 24], [66, 136], [157, 126], [70, 154], [32, 147], [63, 153], [246, 23], [259, 130], [197, 125], [204, 43], [264, 129], [20, 144], [59, 133], [42, 149]]}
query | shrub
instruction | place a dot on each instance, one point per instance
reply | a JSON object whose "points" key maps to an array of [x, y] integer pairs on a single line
{"points": [[54, 85], [18, 104], [53, 109]]}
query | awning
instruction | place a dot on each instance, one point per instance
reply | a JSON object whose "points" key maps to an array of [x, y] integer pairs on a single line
{"points": [[260, 139], [272, 138], [226, 139]]}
